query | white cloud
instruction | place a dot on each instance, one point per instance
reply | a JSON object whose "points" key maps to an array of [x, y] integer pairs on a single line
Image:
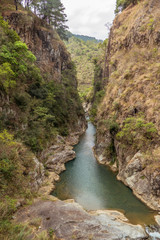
{"points": [[88, 17]]}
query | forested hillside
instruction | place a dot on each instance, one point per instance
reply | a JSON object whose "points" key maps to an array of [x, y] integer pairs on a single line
{"points": [[87, 38], [84, 54], [38, 102]]}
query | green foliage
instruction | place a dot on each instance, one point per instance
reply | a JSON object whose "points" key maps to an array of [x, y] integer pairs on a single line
{"points": [[85, 38], [83, 53], [14, 160], [22, 100], [7, 207], [135, 131], [15, 164], [53, 12], [112, 126], [6, 77], [122, 4], [98, 98], [50, 232], [6, 138], [11, 34], [16, 61], [44, 107], [10, 231], [35, 108], [6, 168], [110, 152]]}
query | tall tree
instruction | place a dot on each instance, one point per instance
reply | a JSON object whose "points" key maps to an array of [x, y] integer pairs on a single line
{"points": [[59, 19], [53, 12], [16, 2], [34, 4]]}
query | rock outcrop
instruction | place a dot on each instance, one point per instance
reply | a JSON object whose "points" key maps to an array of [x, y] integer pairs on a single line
{"points": [[128, 119], [42, 40], [70, 221]]}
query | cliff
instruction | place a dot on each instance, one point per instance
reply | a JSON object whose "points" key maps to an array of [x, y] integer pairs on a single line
{"points": [[39, 103], [51, 55], [54, 86], [128, 119]]}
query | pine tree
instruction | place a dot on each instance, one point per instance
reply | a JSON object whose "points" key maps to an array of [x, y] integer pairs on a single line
{"points": [[53, 12], [16, 2], [59, 19]]}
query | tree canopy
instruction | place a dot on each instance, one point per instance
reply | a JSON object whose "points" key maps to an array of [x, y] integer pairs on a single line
{"points": [[52, 11]]}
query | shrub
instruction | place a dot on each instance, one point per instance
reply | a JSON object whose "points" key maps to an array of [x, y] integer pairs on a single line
{"points": [[7, 77], [137, 132]]}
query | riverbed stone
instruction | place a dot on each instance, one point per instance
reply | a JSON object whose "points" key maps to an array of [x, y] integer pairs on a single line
{"points": [[70, 221]]}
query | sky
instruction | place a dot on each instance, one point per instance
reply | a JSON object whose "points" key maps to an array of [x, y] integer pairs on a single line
{"points": [[88, 17]]}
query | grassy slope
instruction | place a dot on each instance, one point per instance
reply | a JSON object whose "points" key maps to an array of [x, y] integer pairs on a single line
{"points": [[132, 100]]}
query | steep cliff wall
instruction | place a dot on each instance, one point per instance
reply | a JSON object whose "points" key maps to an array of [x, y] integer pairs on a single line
{"points": [[58, 75], [39, 104], [128, 119], [42, 40]]}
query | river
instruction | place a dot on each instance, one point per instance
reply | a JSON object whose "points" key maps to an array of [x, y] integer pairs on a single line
{"points": [[95, 186]]}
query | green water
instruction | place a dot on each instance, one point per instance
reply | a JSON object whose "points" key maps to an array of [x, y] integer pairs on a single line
{"points": [[95, 187]]}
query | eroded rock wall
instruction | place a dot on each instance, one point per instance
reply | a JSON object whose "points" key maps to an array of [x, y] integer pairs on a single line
{"points": [[128, 119], [42, 40]]}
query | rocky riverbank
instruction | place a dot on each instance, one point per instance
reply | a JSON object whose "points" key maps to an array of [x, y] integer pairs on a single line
{"points": [[55, 158], [134, 176], [127, 119], [69, 221], [66, 219]]}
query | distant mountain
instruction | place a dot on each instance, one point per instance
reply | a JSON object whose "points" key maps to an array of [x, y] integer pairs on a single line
{"points": [[84, 37], [83, 53], [87, 38]]}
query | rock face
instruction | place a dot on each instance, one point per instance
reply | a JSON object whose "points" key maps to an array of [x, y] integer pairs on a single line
{"points": [[55, 93], [128, 119], [42, 40], [55, 158], [70, 221], [54, 62], [37, 176]]}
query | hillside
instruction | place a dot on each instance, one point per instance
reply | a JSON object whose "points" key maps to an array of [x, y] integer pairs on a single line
{"points": [[83, 54], [87, 38], [53, 87], [39, 108], [128, 117]]}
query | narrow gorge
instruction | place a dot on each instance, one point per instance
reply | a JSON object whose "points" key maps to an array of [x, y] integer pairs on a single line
{"points": [[68, 172]]}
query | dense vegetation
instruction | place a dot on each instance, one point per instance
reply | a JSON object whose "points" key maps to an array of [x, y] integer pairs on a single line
{"points": [[99, 80], [44, 108], [86, 38], [34, 109], [83, 54]]}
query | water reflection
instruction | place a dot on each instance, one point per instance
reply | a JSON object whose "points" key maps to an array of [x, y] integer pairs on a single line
{"points": [[96, 187]]}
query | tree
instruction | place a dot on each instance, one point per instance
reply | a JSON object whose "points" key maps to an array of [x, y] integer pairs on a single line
{"points": [[16, 2], [35, 4], [122, 4], [53, 12]]}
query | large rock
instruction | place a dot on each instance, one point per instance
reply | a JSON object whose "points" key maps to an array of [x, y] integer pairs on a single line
{"points": [[37, 175], [57, 161], [70, 221]]}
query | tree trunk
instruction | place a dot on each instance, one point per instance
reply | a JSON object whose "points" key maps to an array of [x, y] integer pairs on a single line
{"points": [[16, 4]]}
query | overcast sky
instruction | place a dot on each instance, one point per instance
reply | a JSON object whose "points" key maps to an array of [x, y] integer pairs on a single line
{"points": [[88, 17]]}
